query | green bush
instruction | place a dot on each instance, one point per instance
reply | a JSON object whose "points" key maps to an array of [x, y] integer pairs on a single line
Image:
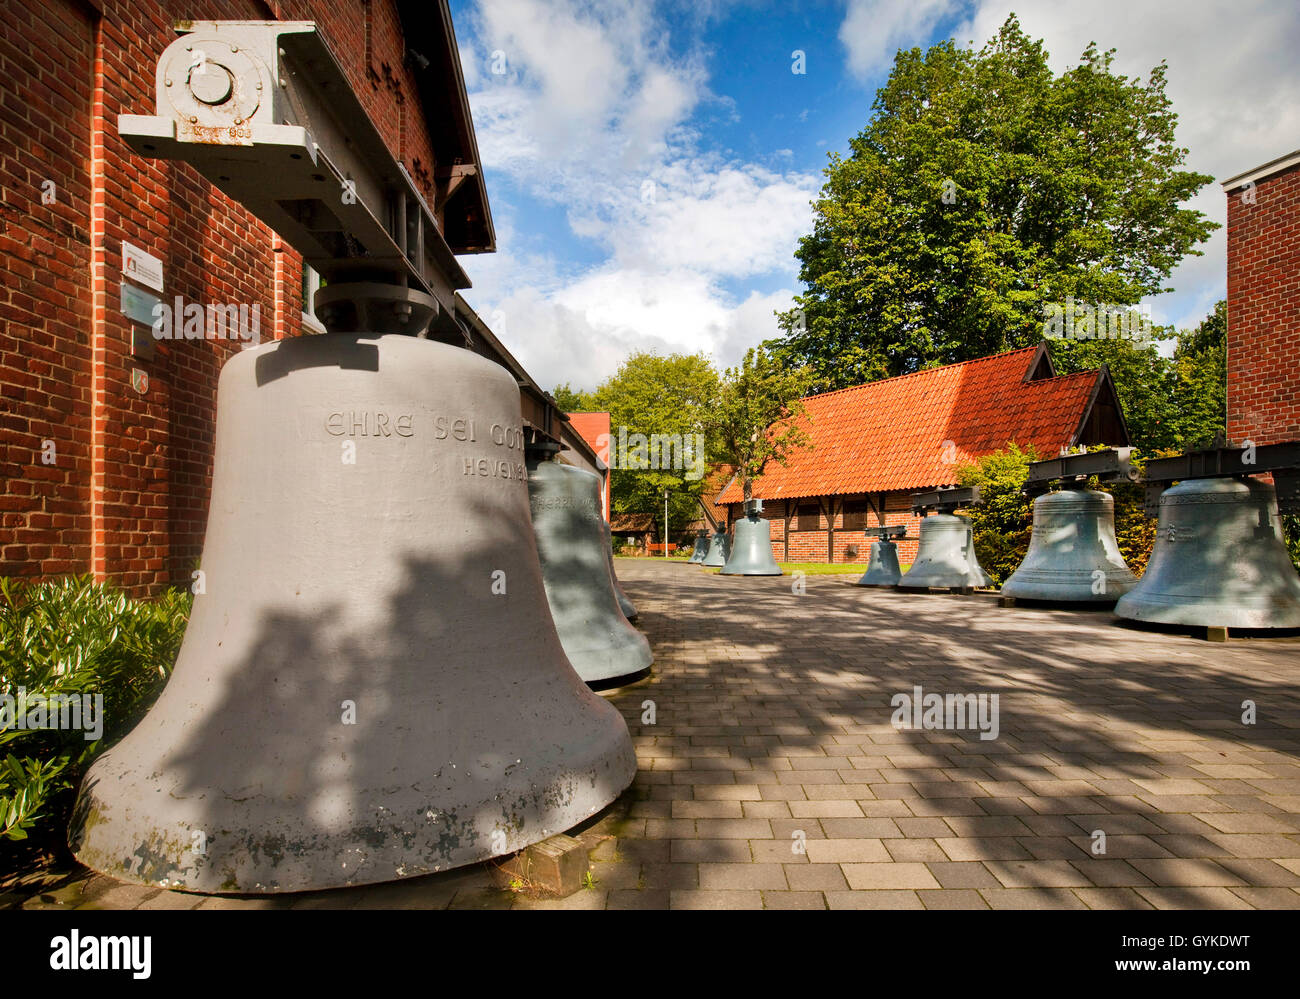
{"points": [[1002, 519], [1291, 533], [73, 637]]}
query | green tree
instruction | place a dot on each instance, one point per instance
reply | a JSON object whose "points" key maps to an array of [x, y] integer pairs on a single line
{"points": [[1200, 372], [573, 400], [759, 416], [1170, 403], [983, 187], [662, 399]]}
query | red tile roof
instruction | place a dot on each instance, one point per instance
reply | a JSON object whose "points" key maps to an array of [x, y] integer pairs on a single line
{"points": [[892, 434], [594, 429]]}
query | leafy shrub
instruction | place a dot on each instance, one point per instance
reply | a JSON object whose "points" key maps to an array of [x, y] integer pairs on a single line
{"points": [[1291, 534], [74, 637], [1002, 519]]}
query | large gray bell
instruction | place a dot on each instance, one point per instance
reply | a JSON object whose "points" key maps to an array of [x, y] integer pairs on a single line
{"points": [[716, 556], [751, 549], [882, 565], [574, 548], [945, 555], [1073, 555], [370, 686], [624, 602], [701, 549], [1218, 560]]}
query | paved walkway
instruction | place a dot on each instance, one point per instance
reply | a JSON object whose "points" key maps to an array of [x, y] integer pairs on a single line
{"points": [[773, 777]]}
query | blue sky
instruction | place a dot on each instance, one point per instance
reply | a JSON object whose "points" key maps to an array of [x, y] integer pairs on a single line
{"points": [[650, 165]]}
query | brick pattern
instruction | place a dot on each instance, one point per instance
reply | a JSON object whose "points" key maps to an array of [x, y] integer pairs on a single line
{"points": [[126, 492], [1264, 311], [773, 777]]}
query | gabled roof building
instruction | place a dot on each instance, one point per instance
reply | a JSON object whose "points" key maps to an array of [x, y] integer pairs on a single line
{"points": [[874, 445]]}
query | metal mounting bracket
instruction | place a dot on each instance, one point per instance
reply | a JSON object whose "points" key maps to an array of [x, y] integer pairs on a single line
{"points": [[263, 110]]}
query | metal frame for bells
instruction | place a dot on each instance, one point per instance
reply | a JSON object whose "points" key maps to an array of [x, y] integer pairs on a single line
{"points": [[946, 500], [264, 112], [1113, 464], [1225, 460]]}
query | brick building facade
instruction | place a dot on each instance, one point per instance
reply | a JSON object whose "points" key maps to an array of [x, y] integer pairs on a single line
{"points": [[1264, 302], [106, 451]]}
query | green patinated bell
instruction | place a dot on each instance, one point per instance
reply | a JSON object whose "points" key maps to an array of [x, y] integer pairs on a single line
{"points": [[716, 556], [1073, 555], [701, 548], [1218, 560], [882, 566], [624, 602], [751, 549], [945, 555], [573, 543]]}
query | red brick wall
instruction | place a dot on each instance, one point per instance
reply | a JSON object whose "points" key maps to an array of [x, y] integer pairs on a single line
{"points": [[45, 287], [811, 545], [1264, 311], [126, 496]]}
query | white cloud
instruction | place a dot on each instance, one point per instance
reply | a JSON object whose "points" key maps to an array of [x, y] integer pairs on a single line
{"points": [[873, 30], [593, 114]]}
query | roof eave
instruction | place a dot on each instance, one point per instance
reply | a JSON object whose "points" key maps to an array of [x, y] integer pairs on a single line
{"points": [[421, 20]]}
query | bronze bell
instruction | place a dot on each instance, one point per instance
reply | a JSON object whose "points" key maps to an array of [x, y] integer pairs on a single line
{"points": [[701, 548], [1073, 556], [573, 544], [370, 686], [751, 545], [624, 602], [945, 555], [1218, 560]]}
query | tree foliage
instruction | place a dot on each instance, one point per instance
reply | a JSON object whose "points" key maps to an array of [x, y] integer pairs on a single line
{"points": [[73, 638], [983, 187], [759, 416], [1170, 403], [573, 400], [653, 396]]}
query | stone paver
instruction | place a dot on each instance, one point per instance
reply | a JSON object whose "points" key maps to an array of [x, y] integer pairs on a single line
{"points": [[775, 779]]}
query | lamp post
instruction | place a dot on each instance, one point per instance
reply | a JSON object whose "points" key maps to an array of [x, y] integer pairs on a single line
{"points": [[665, 523]]}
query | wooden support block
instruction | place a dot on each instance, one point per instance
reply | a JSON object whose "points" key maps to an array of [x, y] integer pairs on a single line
{"points": [[556, 865], [1006, 601], [1216, 634]]}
